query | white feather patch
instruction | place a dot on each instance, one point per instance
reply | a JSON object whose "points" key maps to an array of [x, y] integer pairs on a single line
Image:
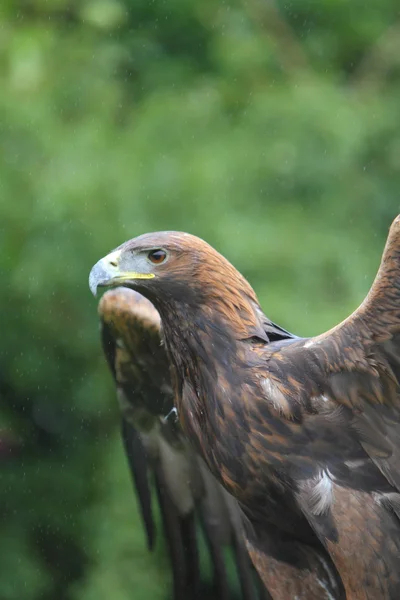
{"points": [[320, 494], [275, 395]]}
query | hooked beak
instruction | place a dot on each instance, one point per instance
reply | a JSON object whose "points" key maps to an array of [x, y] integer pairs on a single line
{"points": [[107, 273]]}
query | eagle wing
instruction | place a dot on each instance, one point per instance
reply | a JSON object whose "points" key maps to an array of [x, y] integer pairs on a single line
{"points": [[158, 453], [338, 395]]}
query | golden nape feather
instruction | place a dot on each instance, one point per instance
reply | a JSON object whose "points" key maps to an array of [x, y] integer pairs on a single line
{"points": [[303, 432], [161, 459]]}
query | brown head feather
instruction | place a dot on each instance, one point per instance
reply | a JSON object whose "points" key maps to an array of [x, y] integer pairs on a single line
{"points": [[196, 276]]}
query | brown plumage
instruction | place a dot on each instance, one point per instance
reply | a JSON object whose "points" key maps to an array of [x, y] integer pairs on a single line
{"points": [[158, 453], [305, 433]]}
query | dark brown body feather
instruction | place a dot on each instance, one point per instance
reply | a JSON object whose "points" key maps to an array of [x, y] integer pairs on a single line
{"points": [[186, 491], [305, 433]]}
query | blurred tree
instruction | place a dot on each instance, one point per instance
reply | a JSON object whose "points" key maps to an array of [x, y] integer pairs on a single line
{"points": [[270, 129]]}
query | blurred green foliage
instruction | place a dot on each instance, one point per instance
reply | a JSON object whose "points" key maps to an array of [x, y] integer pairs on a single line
{"points": [[270, 129]]}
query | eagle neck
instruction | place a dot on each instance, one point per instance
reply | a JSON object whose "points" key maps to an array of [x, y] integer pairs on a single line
{"points": [[209, 358]]}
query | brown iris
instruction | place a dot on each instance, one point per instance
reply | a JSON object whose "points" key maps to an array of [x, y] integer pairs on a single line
{"points": [[157, 256]]}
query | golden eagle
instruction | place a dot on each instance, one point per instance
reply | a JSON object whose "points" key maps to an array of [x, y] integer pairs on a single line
{"points": [[303, 432]]}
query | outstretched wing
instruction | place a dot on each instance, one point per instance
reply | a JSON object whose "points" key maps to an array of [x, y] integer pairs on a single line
{"points": [[341, 394], [364, 365], [158, 452]]}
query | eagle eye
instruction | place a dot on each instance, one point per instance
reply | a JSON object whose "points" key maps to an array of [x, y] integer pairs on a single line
{"points": [[157, 256]]}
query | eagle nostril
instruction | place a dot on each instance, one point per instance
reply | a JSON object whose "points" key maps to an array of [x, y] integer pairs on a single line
{"points": [[113, 263]]}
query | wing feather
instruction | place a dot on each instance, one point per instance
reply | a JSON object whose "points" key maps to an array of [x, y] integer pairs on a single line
{"points": [[138, 465]]}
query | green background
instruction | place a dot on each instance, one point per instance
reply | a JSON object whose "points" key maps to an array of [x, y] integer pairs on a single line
{"points": [[271, 129]]}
